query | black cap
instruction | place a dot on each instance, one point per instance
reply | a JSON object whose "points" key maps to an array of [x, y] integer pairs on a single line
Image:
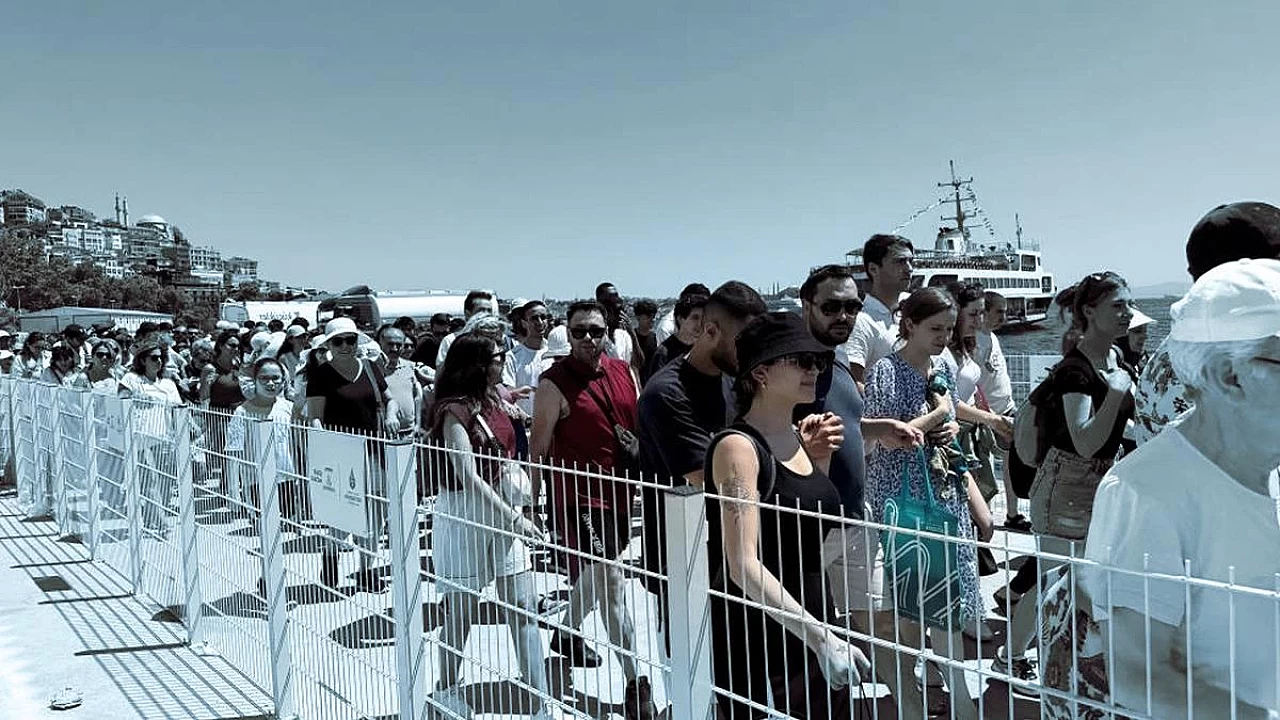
{"points": [[73, 331], [1233, 232], [774, 335]]}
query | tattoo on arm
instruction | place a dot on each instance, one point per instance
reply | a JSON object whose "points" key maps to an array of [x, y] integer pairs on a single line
{"points": [[743, 491]]}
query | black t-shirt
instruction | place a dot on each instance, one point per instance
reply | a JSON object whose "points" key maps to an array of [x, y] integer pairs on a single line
{"points": [[669, 350], [348, 405], [649, 344], [1076, 374], [680, 409]]}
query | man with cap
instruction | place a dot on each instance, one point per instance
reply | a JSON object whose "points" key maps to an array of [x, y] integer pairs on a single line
{"points": [[1195, 499], [6, 340], [1228, 232]]}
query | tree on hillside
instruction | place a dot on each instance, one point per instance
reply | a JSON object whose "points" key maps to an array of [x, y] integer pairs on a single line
{"points": [[139, 292], [248, 291]]}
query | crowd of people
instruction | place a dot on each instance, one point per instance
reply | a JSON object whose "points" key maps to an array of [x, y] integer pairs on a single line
{"points": [[866, 399]]}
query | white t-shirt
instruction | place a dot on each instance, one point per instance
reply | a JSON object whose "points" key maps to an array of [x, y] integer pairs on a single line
{"points": [[442, 352], [874, 334], [280, 413], [994, 381], [967, 376], [620, 346], [1168, 502], [525, 366]]}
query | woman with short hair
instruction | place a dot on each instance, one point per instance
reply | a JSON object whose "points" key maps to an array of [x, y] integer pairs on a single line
{"points": [[29, 364], [64, 369]]}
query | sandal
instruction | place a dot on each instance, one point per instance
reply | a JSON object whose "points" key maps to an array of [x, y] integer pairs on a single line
{"points": [[66, 699], [1018, 523]]}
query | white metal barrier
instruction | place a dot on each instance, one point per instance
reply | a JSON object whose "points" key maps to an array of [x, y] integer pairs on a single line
{"points": [[277, 550]]}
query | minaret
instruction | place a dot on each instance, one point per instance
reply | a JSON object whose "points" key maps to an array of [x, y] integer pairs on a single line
{"points": [[117, 208], [126, 212]]}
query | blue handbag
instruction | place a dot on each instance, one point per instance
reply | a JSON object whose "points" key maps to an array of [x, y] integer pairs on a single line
{"points": [[922, 574]]}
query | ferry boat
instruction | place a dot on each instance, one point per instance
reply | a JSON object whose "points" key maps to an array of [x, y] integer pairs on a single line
{"points": [[1013, 269]]}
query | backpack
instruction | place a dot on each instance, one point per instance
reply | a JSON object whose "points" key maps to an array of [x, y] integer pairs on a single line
{"points": [[1031, 438]]}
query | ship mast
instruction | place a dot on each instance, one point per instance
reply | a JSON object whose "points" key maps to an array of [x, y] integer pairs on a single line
{"points": [[956, 184]]}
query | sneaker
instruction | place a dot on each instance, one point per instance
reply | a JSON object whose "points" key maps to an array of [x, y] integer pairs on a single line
{"points": [[1021, 668], [638, 701], [575, 649], [66, 699], [448, 703]]}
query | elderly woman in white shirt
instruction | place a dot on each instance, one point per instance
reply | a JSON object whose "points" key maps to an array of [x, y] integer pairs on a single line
{"points": [[1197, 498]]}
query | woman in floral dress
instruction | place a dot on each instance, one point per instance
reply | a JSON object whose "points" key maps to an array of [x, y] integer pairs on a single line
{"points": [[898, 387]]}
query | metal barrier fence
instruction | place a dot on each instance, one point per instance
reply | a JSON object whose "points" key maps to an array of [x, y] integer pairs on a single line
{"points": [[277, 546]]}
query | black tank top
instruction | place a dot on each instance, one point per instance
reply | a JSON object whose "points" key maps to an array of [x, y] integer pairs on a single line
{"points": [[790, 542]]}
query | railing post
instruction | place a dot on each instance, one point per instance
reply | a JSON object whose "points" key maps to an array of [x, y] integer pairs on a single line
{"points": [[94, 511], [689, 604], [263, 438], [132, 499], [189, 552], [58, 475], [406, 581], [44, 454]]}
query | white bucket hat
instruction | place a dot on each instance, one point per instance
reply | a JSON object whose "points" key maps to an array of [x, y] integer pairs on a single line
{"points": [[557, 343], [343, 326], [1139, 319], [1235, 301]]}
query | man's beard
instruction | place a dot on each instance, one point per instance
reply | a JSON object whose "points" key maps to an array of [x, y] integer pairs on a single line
{"points": [[720, 358], [829, 338]]}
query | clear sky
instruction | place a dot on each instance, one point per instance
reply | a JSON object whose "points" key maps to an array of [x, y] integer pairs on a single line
{"points": [[539, 147]]}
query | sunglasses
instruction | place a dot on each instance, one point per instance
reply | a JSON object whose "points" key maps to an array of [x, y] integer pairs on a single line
{"points": [[395, 346], [154, 358], [808, 361], [102, 354], [342, 340], [833, 307], [596, 332]]}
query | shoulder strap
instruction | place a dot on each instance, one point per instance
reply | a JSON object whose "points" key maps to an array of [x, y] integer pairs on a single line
{"points": [[766, 476], [369, 369]]}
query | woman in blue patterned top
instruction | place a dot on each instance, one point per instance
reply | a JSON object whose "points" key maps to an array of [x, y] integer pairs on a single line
{"points": [[903, 386]]}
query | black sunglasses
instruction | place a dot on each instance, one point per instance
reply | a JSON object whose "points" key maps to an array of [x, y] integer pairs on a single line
{"points": [[833, 307], [809, 361], [596, 332], [102, 354], [343, 340], [156, 358]]}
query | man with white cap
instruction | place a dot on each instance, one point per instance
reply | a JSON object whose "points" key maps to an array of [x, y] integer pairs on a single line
{"points": [[1228, 232], [1197, 497]]}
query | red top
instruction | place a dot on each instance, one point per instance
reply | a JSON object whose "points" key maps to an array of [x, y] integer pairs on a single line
{"points": [[585, 439], [503, 432]]}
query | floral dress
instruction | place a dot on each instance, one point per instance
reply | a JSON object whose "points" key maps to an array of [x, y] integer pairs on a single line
{"points": [[896, 390]]}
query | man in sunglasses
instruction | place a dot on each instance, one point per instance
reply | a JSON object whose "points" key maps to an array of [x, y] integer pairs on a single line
{"points": [[851, 555], [584, 420]]}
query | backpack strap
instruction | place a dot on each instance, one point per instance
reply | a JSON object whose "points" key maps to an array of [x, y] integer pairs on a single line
{"points": [[764, 458]]}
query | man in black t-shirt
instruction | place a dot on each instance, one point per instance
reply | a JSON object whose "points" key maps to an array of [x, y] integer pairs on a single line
{"points": [[428, 344], [682, 407]]}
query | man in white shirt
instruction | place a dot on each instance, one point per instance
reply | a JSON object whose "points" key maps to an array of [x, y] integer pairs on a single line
{"points": [[621, 344], [1194, 501], [997, 393], [889, 260], [477, 301], [525, 361], [402, 381]]}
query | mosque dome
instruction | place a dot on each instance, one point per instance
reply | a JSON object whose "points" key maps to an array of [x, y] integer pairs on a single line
{"points": [[152, 220]]}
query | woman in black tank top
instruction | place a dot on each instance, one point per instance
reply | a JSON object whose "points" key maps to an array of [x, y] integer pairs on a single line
{"points": [[765, 550]]}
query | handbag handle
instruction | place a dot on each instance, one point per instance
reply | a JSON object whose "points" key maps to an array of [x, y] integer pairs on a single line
{"points": [[904, 479]]}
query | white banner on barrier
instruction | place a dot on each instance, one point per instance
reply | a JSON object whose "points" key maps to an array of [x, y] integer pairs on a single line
{"points": [[337, 481], [113, 419]]}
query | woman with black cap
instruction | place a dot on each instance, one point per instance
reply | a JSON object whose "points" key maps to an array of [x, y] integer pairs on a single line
{"points": [[756, 468]]}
